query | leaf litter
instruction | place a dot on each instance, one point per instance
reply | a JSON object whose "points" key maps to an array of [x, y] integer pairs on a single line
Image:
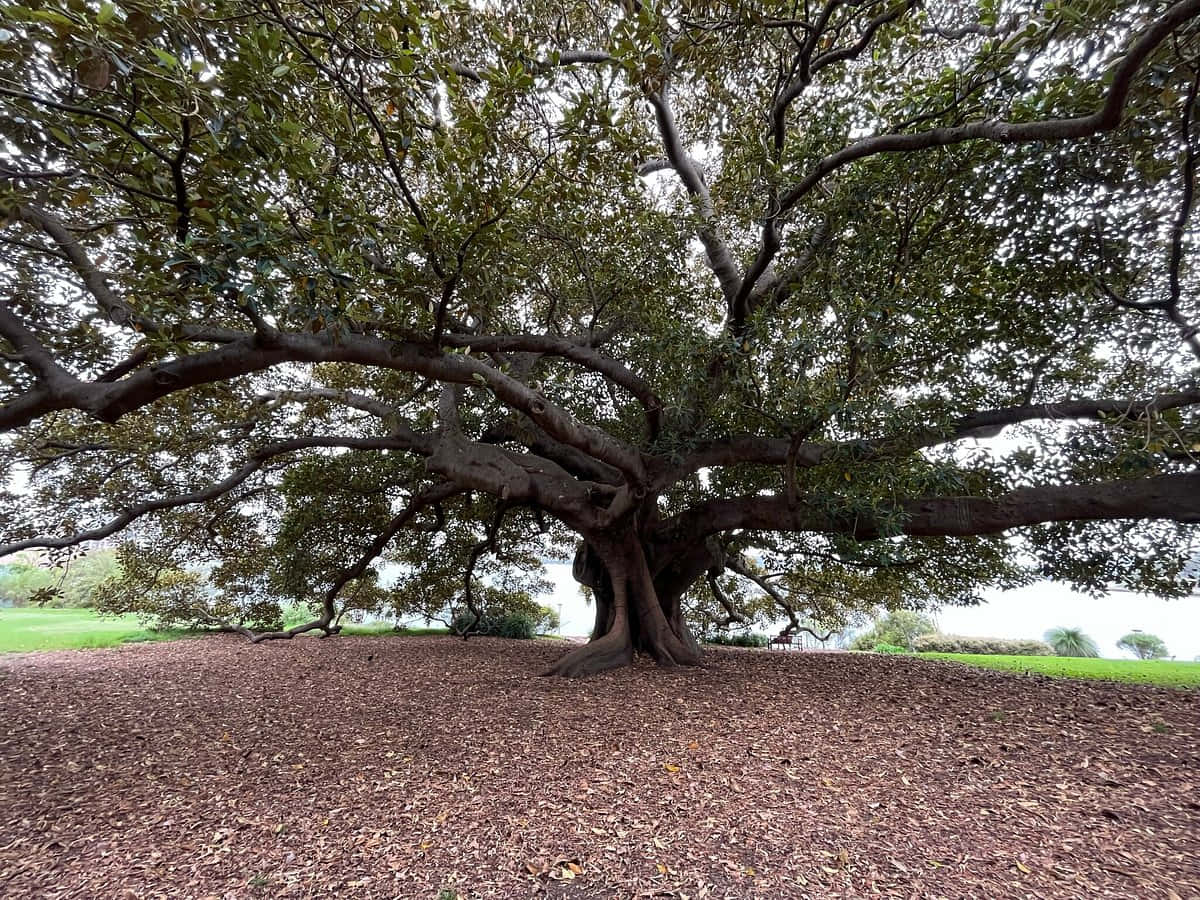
{"points": [[429, 767]]}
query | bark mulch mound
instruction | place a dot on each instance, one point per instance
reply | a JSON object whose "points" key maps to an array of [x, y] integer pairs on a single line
{"points": [[426, 767]]}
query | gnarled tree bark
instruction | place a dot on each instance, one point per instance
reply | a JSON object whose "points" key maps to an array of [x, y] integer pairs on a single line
{"points": [[635, 611]]}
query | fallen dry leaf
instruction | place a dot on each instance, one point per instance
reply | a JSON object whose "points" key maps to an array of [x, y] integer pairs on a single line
{"points": [[450, 766]]}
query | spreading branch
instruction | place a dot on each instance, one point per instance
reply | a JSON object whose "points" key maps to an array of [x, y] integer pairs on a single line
{"points": [[257, 460]]}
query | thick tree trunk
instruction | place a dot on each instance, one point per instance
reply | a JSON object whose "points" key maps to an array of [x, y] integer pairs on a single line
{"points": [[632, 614]]}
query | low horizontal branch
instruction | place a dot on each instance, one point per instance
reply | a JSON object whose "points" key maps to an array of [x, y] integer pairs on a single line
{"points": [[751, 449], [1173, 497]]}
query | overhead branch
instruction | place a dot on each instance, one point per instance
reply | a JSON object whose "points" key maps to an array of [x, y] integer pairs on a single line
{"points": [[256, 461], [973, 29], [720, 259], [30, 351], [576, 352], [558, 59], [572, 460], [93, 279], [810, 65], [516, 477], [98, 115], [357, 99], [349, 399], [732, 613], [1174, 497], [1105, 118], [775, 288], [751, 449], [1189, 331], [109, 402], [96, 283]]}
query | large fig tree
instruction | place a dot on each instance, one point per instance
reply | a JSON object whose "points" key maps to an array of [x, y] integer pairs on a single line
{"points": [[700, 291]]}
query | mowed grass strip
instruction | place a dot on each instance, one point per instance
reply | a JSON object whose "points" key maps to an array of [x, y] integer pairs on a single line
{"points": [[29, 628], [387, 629], [1161, 672]]}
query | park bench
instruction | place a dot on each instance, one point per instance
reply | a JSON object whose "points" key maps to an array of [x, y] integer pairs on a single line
{"points": [[782, 640]]}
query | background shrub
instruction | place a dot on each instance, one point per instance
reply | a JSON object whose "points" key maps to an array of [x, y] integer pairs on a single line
{"points": [[1071, 642], [740, 639], [955, 643], [522, 624], [76, 585], [899, 628], [888, 648], [516, 625]]}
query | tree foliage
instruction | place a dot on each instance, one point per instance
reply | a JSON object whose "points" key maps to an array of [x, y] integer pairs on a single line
{"points": [[1142, 645], [899, 628], [76, 583], [377, 306]]}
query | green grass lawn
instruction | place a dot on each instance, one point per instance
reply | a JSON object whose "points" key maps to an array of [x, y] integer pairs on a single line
{"points": [[35, 628], [385, 629], [1161, 672]]}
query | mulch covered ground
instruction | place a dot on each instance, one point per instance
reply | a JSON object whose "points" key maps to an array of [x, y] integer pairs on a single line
{"points": [[426, 767]]}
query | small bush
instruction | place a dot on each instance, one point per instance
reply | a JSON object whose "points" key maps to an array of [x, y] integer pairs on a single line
{"points": [[954, 643], [743, 639], [509, 625], [516, 625], [888, 648]]}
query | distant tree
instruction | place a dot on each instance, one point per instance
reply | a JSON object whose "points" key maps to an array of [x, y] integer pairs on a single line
{"points": [[898, 628], [1142, 645], [19, 580], [73, 584], [1071, 642]]}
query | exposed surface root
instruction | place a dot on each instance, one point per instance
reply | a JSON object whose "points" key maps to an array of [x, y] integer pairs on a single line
{"points": [[612, 651]]}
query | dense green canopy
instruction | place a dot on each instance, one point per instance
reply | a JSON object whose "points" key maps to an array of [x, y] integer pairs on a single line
{"points": [[768, 308]]}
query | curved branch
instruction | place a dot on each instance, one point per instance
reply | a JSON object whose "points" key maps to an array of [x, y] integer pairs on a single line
{"points": [[560, 58], [430, 497], [720, 259], [1105, 118], [798, 85], [345, 398], [93, 279], [109, 402], [90, 113], [1174, 497], [410, 441], [31, 351], [576, 352], [743, 449], [732, 613], [96, 283]]}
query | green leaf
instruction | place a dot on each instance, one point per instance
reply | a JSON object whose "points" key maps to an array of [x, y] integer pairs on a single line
{"points": [[167, 60]]}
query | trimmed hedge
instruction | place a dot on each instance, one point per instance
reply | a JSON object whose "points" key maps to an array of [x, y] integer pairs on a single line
{"points": [[955, 643], [510, 625], [744, 639], [888, 648]]}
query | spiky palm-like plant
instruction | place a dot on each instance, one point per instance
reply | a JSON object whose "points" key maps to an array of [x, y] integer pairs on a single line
{"points": [[1071, 642]]}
